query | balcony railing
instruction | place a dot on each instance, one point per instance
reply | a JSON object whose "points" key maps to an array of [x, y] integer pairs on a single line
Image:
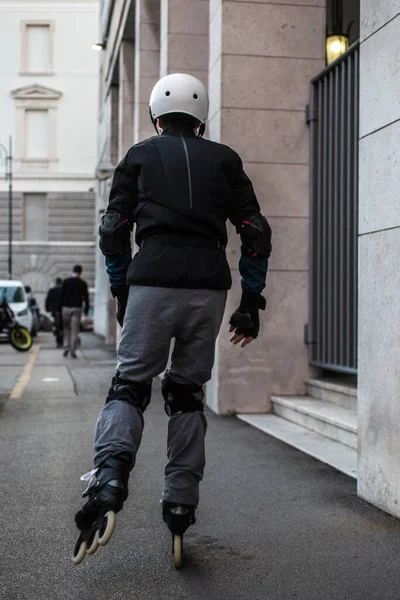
{"points": [[333, 117]]}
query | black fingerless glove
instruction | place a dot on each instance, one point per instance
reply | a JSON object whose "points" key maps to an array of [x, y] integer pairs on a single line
{"points": [[121, 294], [245, 319]]}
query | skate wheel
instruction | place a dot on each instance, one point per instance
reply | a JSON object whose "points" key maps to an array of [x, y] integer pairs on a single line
{"points": [[79, 552], [177, 551], [107, 528], [93, 543]]}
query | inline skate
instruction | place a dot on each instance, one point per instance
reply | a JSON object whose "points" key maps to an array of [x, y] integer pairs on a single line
{"points": [[107, 492], [178, 517]]}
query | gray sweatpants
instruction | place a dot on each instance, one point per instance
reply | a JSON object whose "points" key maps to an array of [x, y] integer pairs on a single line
{"points": [[154, 316], [71, 317]]}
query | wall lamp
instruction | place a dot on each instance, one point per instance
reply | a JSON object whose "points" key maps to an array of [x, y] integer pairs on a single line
{"points": [[337, 39], [336, 45], [99, 47]]}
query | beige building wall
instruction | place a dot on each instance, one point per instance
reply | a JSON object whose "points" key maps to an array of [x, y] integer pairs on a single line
{"points": [[126, 96], [262, 57], [147, 63], [184, 38]]}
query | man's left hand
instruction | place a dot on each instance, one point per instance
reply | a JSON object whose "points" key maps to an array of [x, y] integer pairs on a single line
{"points": [[237, 338], [245, 321]]}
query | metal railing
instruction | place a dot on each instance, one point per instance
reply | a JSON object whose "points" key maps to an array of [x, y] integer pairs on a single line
{"points": [[333, 118]]}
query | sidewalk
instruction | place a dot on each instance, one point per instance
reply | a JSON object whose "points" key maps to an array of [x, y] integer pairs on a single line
{"points": [[273, 523]]}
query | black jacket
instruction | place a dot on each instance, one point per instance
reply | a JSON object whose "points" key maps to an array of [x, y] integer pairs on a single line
{"points": [[74, 293], [180, 190], [52, 299]]}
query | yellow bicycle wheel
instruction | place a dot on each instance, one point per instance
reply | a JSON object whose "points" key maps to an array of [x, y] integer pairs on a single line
{"points": [[20, 338]]}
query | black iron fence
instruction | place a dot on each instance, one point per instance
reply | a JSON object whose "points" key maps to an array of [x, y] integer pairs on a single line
{"points": [[333, 118]]}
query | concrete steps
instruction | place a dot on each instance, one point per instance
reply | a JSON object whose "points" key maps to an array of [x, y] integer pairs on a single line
{"points": [[332, 453], [322, 424], [330, 420], [344, 394]]}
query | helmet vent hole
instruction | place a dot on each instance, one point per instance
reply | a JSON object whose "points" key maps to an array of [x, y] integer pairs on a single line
{"points": [[167, 93], [195, 96]]}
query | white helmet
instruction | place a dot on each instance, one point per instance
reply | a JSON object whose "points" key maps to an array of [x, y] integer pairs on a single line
{"points": [[179, 93]]}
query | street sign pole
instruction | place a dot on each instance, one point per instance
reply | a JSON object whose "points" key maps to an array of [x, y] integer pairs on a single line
{"points": [[10, 206]]}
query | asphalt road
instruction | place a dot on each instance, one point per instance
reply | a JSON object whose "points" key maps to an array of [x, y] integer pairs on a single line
{"points": [[273, 523]]}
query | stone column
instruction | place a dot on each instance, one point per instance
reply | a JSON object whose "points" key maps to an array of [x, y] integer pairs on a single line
{"points": [[379, 250], [262, 57], [126, 95], [147, 63], [184, 38]]}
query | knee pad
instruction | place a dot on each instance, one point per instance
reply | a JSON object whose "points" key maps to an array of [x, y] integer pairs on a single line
{"points": [[135, 393], [181, 397]]}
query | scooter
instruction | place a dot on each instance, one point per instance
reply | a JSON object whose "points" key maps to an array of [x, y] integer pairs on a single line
{"points": [[18, 336]]}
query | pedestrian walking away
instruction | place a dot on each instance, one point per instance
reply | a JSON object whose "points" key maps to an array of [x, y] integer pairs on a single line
{"points": [[35, 310], [52, 306], [179, 190], [74, 295]]}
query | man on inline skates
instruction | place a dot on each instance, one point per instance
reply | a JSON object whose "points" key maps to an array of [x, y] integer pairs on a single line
{"points": [[179, 190]]}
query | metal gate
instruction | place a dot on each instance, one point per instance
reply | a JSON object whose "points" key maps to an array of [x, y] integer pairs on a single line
{"points": [[333, 118]]}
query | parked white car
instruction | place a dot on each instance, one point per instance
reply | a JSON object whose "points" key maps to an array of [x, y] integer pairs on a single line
{"points": [[16, 298]]}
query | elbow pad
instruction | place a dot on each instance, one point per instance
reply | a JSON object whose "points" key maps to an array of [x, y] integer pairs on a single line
{"points": [[115, 233], [255, 234]]}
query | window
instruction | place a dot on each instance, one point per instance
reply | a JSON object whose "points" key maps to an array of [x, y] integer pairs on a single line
{"points": [[37, 48], [36, 126], [35, 217], [37, 134], [12, 294]]}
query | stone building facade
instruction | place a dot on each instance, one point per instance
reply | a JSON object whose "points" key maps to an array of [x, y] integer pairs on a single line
{"points": [[379, 247], [49, 99]]}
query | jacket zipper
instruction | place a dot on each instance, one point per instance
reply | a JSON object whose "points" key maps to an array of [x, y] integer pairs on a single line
{"points": [[188, 168]]}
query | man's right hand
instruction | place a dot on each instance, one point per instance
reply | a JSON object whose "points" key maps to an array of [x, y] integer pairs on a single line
{"points": [[121, 294]]}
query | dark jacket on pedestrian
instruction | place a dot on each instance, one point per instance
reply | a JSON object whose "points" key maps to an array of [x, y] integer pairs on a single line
{"points": [[74, 294], [52, 299], [180, 190]]}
